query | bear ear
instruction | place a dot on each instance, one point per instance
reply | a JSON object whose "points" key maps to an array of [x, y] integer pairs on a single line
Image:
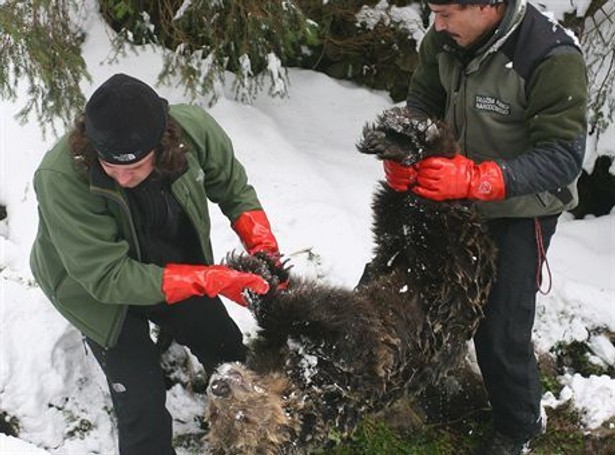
{"points": [[440, 140]]}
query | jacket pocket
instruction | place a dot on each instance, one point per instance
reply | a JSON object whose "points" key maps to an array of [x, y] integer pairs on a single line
{"points": [[95, 319]]}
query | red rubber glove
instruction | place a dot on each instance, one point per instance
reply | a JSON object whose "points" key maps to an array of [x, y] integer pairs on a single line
{"points": [[399, 177], [254, 230], [180, 281], [459, 178]]}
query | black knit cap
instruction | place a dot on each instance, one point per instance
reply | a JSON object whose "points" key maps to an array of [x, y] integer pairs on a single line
{"points": [[464, 2], [125, 119]]}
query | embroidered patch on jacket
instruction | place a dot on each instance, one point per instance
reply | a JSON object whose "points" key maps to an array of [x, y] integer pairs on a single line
{"points": [[491, 104]]}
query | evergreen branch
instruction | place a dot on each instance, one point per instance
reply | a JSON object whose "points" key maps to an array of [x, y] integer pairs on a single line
{"points": [[41, 50]]}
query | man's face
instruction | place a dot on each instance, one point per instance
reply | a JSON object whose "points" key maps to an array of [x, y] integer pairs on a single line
{"points": [[465, 25], [130, 175]]}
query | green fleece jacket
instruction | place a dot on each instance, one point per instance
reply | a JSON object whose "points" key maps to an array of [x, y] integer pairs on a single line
{"points": [[518, 98], [86, 255]]}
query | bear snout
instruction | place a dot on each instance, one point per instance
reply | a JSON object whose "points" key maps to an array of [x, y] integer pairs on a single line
{"points": [[220, 388]]}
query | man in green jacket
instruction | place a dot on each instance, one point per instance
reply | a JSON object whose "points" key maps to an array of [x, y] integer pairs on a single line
{"points": [[124, 239], [512, 85]]}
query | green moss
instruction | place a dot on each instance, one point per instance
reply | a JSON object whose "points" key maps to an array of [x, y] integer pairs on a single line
{"points": [[564, 435], [79, 429], [376, 437], [575, 356], [550, 384]]}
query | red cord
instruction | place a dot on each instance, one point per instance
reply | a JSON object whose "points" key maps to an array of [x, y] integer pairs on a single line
{"points": [[542, 258]]}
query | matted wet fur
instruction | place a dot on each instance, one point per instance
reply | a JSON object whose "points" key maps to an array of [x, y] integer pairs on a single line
{"points": [[326, 355]]}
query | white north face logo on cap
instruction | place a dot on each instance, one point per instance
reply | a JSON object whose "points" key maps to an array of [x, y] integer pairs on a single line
{"points": [[125, 157]]}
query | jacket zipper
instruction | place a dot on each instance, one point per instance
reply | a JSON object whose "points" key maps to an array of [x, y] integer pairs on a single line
{"points": [[124, 207], [175, 190], [459, 106]]}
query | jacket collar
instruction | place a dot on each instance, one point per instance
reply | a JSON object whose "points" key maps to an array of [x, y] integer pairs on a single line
{"points": [[100, 179], [515, 11]]}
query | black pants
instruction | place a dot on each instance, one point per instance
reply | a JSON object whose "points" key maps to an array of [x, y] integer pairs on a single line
{"points": [[133, 372], [504, 338]]}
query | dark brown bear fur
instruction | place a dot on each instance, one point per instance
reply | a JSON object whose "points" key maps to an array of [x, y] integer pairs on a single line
{"points": [[328, 355]]}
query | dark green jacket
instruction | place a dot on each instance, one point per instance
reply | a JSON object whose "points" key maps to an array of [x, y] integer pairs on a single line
{"points": [[518, 98], [86, 255]]}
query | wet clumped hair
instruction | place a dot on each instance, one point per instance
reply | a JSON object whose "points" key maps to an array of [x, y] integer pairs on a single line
{"points": [[326, 355]]}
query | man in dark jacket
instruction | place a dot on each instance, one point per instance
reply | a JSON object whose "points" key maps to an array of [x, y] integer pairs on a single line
{"points": [[512, 85], [124, 240]]}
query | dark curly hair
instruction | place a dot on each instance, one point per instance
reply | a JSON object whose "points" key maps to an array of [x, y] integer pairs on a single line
{"points": [[170, 152]]}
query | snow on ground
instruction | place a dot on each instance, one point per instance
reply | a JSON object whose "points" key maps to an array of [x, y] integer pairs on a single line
{"points": [[299, 153]]}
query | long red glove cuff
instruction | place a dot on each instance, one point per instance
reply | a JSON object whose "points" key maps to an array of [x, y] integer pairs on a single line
{"points": [[254, 230], [487, 183], [440, 179]]}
